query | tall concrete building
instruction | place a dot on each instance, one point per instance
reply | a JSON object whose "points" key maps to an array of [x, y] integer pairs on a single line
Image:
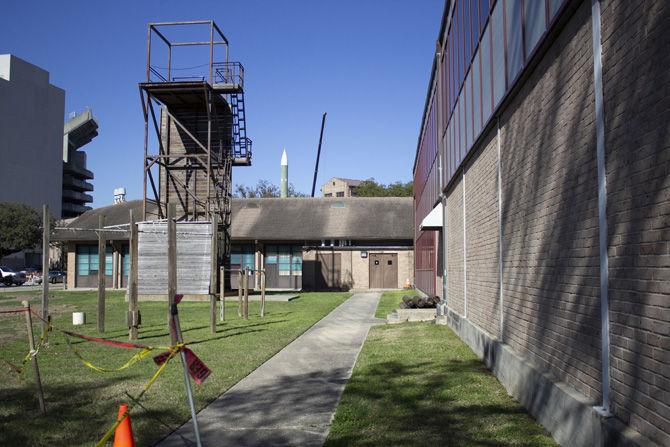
{"points": [[79, 130], [542, 206], [31, 135]]}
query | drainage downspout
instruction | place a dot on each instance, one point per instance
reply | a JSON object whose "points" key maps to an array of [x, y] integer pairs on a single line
{"points": [[602, 211], [465, 256], [443, 200], [500, 237]]}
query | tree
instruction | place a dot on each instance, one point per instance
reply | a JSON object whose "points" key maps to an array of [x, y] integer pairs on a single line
{"points": [[20, 228], [371, 188], [263, 190]]}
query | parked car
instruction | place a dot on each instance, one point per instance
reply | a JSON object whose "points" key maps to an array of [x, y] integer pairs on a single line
{"points": [[10, 277], [57, 276]]}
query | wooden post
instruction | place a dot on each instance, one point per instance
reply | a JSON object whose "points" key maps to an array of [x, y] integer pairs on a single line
{"points": [[222, 296], [262, 293], [240, 292], [46, 227], [172, 263], [36, 368], [213, 275], [133, 311], [246, 293], [101, 274]]}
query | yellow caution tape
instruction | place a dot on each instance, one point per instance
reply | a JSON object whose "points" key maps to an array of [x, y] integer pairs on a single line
{"points": [[32, 353], [134, 359], [108, 434], [111, 430]]}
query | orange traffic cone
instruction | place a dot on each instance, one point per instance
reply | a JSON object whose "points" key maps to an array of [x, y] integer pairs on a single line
{"points": [[123, 435]]}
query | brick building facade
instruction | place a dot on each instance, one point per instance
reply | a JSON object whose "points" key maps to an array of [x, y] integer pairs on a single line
{"points": [[546, 141], [340, 187]]}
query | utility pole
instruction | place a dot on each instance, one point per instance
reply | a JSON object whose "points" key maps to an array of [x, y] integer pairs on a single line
{"points": [[318, 153]]}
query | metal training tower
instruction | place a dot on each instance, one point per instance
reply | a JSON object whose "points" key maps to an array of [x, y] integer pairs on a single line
{"points": [[199, 129]]}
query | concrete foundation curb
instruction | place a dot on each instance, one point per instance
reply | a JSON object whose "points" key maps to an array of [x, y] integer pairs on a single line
{"points": [[568, 415]]}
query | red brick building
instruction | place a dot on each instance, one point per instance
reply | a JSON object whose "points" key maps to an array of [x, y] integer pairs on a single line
{"points": [[542, 206]]}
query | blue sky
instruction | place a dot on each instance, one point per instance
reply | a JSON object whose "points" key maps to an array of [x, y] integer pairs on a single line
{"points": [[365, 62]]}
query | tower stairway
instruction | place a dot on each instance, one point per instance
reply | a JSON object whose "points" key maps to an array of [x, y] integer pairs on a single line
{"points": [[241, 148]]}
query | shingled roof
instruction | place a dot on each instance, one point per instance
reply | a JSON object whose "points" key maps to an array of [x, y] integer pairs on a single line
{"points": [[287, 219], [367, 218], [117, 214]]}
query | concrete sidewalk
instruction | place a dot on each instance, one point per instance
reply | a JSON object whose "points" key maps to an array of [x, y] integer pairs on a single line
{"points": [[291, 398]]}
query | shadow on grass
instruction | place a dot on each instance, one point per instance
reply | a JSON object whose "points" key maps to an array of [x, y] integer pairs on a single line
{"points": [[22, 424], [429, 404], [407, 407], [219, 330]]}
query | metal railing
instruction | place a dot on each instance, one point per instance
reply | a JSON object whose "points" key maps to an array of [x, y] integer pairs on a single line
{"points": [[242, 149], [229, 73]]}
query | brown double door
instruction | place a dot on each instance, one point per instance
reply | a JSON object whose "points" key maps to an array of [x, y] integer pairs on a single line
{"points": [[383, 270], [328, 271]]}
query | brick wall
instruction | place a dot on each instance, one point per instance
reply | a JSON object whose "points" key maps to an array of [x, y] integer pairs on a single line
{"points": [[481, 192], [636, 82], [550, 213], [455, 249], [550, 222]]}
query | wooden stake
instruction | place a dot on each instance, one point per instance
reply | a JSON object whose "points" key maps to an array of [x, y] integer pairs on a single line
{"points": [[262, 293], [222, 295], [240, 285], [46, 226], [36, 368], [101, 274], [213, 275], [172, 262], [246, 293], [133, 311]]}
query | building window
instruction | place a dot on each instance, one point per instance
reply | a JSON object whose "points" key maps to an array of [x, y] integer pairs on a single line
{"points": [[462, 117], [242, 256], [87, 260], [534, 24], [484, 7], [288, 259], [476, 96], [296, 260], [554, 6], [513, 34], [498, 38], [284, 260], [467, 92], [328, 195], [459, 47], [125, 256], [466, 32], [340, 194], [485, 54]]}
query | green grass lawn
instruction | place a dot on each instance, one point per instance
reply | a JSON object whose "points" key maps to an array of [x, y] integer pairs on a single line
{"points": [[82, 403], [417, 384], [390, 301]]}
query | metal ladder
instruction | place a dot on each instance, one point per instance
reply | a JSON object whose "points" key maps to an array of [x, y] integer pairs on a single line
{"points": [[239, 125]]}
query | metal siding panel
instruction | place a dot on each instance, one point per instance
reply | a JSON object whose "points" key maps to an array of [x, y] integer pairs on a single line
{"points": [[193, 258]]}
